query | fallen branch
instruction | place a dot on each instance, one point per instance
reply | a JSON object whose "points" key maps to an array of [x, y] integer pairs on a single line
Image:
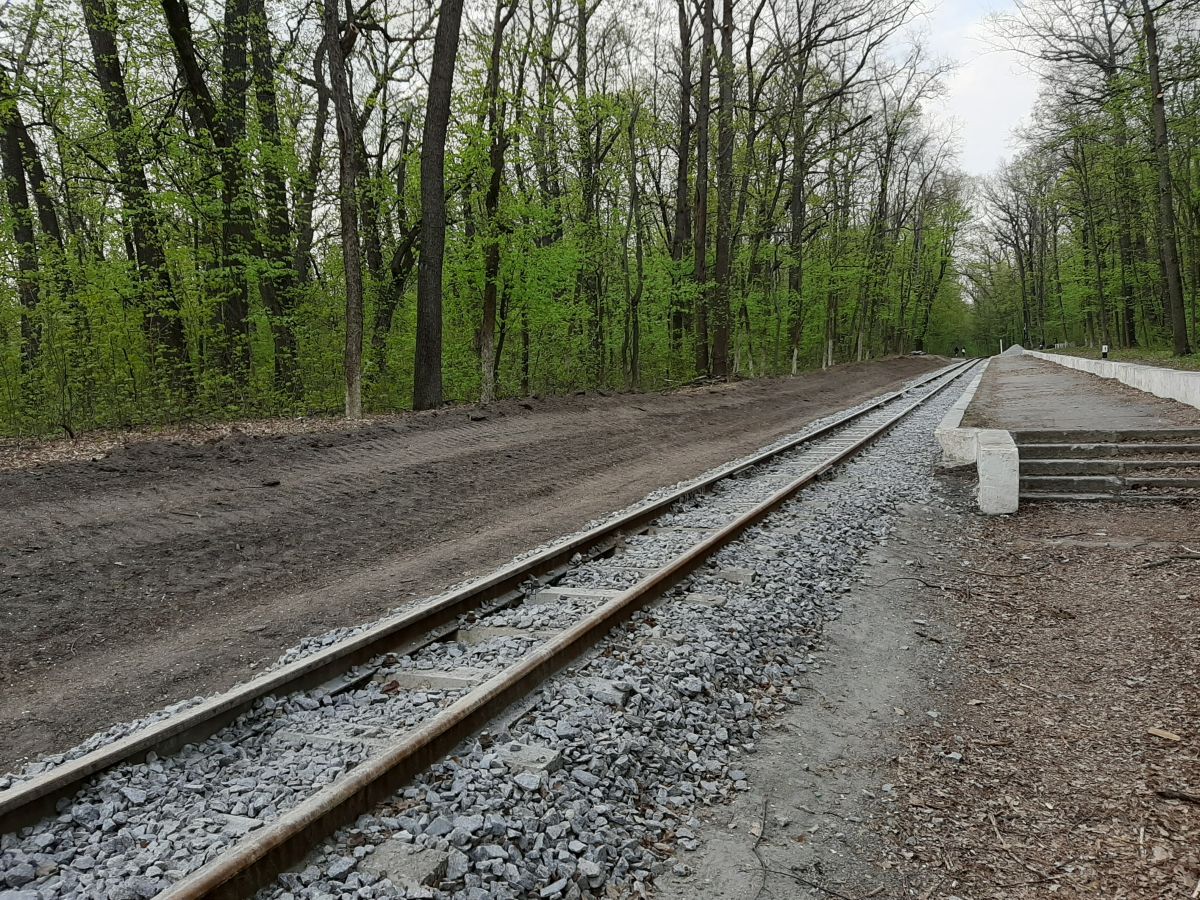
{"points": [[1183, 557], [1168, 794], [1007, 574], [812, 884], [929, 584]]}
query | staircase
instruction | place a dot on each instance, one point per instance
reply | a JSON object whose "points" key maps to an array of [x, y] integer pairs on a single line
{"points": [[1159, 464]]}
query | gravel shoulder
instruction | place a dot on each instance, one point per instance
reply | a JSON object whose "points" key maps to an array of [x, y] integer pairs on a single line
{"points": [[1006, 709], [810, 825], [162, 569]]}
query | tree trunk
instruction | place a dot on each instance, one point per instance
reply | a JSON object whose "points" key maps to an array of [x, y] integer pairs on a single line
{"points": [[306, 190], [1162, 152], [427, 368], [724, 261], [703, 113], [21, 221], [131, 178], [498, 143], [681, 237], [635, 296], [348, 164], [236, 234], [278, 281], [798, 213]]}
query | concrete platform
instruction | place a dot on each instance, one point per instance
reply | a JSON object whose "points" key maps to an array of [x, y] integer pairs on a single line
{"points": [[1021, 393], [1058, 433]]}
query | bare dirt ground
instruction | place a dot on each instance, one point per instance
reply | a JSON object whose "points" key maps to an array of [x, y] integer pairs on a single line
{"points": [[151, 570], [1067, 761]]}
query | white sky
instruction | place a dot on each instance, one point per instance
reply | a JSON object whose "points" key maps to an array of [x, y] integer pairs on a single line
{"points": [[990, 93]]}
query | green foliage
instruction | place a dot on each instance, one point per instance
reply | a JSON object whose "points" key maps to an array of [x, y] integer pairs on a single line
{"points": [[95, 348]]}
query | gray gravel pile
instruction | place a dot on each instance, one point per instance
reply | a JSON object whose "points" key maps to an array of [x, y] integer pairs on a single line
{"points": [[654, 725], [607, 574], [563, 611], [489, 656]]}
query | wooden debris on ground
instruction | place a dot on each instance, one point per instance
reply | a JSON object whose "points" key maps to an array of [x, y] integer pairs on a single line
{"points": [[1066, 759]]}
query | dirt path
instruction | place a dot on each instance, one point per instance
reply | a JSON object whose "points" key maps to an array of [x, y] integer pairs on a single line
{"points": [[168, 569], [1008, 709], [809, 827]]}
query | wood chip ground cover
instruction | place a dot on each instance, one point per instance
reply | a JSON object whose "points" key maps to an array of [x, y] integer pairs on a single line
{"points": [[1063, 755]]}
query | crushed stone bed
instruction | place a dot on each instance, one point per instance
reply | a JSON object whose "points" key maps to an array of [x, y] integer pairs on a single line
{"points": [[698, 683]]}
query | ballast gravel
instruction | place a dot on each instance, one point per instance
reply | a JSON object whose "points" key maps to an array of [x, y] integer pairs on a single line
{"points": [[690, 687], [646, 730]]}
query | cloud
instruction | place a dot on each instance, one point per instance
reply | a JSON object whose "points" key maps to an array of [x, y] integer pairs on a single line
{"points": [[990, 92]]}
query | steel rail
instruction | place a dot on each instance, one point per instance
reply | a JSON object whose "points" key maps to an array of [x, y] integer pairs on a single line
{"points": [[255, 860], [27, 801]]}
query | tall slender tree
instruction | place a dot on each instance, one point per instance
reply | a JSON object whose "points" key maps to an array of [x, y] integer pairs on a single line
{"points": [[427, 366]]}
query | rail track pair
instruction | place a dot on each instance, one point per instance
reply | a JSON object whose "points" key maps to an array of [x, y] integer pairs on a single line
{"points": [[261, 854]]}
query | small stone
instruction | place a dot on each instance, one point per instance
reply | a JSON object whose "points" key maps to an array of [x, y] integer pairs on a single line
{"points": [[529, 781], [470, 824], [439, 827], [134, 795], [457, 865], [553, 889], [586, 778], [137, 888], [20, 874], [341, 867]]}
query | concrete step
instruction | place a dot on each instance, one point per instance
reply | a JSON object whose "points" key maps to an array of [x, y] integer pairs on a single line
{"points": [[1071, 484], [1047, 496], [1162, 482], [1102, 436], [1106, 484], [1104, 466], [1086, 450]]}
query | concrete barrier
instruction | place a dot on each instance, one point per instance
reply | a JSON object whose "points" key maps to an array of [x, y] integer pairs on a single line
{"points": [[999, 467], [958, 443], [1171, 384]]}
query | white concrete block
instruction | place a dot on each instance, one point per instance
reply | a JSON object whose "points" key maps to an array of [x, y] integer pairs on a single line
{"points": [[958, 445], [999, 468]]}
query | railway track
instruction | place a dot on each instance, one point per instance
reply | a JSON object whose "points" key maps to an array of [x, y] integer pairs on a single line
{"points": [[440, 672]]}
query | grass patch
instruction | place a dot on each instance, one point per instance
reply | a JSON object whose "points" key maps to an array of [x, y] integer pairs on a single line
{"points": [[1164, 358]]}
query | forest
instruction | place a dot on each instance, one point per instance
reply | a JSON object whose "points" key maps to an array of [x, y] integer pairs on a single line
{"points": [[282, 207], [1090, 236], [285, 207]]}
